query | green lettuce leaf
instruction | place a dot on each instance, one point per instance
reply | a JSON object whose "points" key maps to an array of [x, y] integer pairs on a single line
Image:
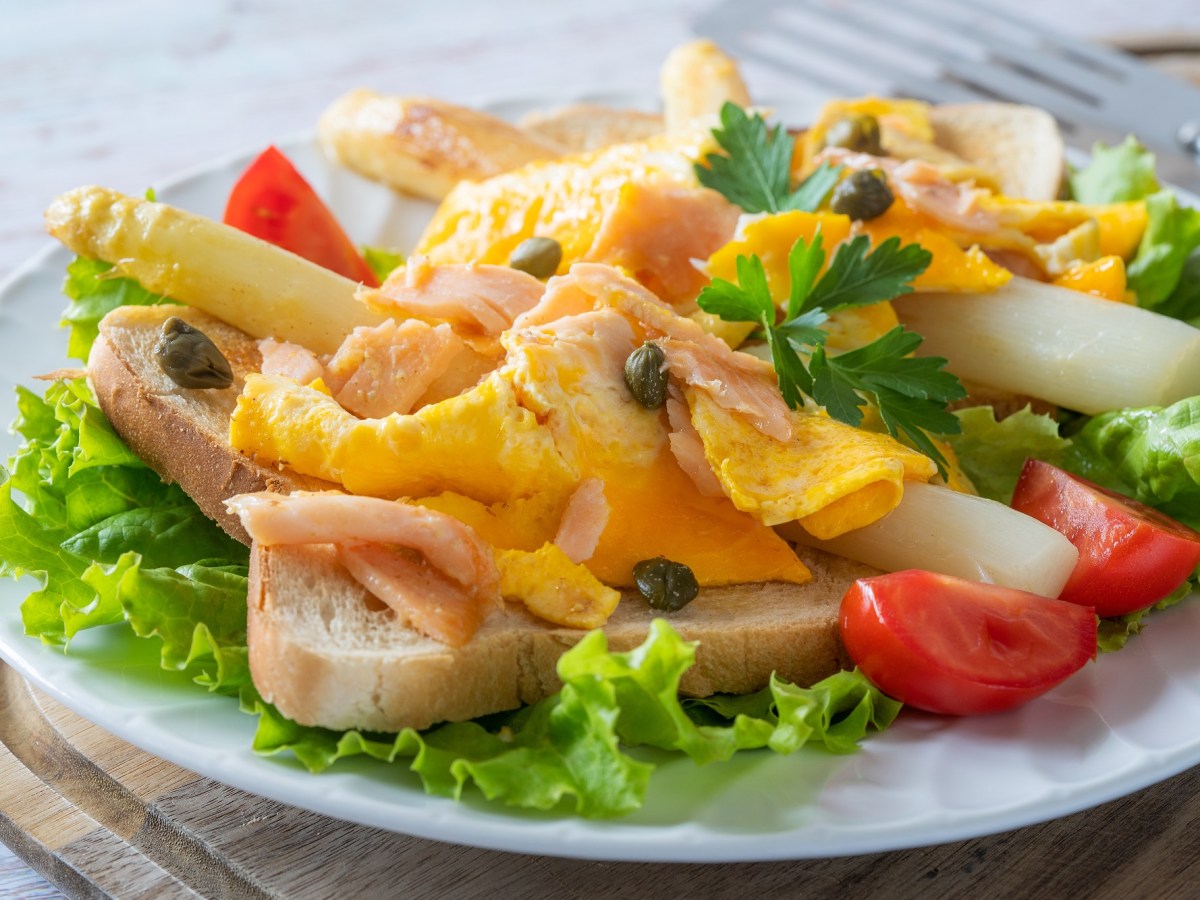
{"points": [[1184, 301], [1172, 233], [1113, 633], [96, 288], [992, 453], [382, 261], [569, 746], [1151, 454], [1115, 174], [172, 534], [1158, 272], [108, 542], [197, 611]]}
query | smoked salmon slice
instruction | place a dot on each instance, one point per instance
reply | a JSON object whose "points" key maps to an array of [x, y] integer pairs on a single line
{"points": [[481, 299]]}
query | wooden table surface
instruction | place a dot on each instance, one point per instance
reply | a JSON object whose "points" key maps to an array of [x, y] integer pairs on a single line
{"points": [[127, 92]]}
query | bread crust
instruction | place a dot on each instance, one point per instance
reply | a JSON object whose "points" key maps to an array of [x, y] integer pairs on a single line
{"points": [[181, 433]]}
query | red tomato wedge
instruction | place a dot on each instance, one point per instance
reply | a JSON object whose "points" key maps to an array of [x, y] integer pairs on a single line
{"points": [[948, 645], [272, 201], [1130, 555]]}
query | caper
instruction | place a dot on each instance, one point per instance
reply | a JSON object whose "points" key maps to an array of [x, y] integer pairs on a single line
{"points": [[666, 585], [863, 195], [644, 375], [855, 132], [189, 358], [538, 256]]}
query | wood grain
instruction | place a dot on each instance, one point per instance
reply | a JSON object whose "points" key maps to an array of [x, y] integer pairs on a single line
{"points": [[98, 817]]}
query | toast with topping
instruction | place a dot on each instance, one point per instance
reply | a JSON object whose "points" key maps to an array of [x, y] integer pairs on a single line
{"points": [[327, 653]]}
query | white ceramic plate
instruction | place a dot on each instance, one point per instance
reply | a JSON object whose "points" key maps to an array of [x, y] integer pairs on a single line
{"points": [[1124, 723]]}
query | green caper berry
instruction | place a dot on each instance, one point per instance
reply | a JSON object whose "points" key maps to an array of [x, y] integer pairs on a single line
{"points": [[666, 585], [537, 256], [855, 132], [863, 195], [189, 358], [644, 375]]}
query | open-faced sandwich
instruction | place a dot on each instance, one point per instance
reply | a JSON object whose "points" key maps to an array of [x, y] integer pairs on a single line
{"points": [[688, 367]]}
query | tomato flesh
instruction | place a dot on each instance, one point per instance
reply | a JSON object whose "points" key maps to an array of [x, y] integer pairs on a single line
{"points": [[1130, 555], [948, 645], [272, 201]]}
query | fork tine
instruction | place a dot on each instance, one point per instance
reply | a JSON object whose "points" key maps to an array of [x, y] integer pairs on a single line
{"points": [[977, 67], [948, 51], [1096, 75], [1096, 57], [901, 72], [1083, 73], [825, 64], [1024, 49], [782, 39]]}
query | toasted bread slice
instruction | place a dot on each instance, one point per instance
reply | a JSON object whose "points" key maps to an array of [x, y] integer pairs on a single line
{"points": [[181, 433], [583, 127], [423, 146], [1020, 145], [327, 653]]}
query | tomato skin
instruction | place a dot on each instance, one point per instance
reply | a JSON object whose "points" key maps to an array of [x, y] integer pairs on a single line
{"points": [[272, 201], [1130, 555], [948, 645]]}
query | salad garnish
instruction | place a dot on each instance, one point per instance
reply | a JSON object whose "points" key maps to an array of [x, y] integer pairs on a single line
{"points": [[1165, 271], [755, 171], [910, 394], [569, 747]]}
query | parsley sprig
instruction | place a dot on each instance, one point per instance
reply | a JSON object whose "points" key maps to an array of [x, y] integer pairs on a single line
{"points": [[755, 170], [909, 393]]}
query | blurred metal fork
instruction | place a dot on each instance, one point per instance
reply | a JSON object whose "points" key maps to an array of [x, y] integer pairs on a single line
{"points": [[950, 51]]}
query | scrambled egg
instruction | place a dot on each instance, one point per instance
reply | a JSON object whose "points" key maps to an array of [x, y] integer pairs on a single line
{"points": [[481, 443], [483, 221], [1103, 277], [907, 118], [554, 588], [525, 523], [830, 476], [771, 238], [570, 373]]}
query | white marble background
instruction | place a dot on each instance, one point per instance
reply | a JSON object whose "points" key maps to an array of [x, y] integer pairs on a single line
{"points": [[127, 92]]}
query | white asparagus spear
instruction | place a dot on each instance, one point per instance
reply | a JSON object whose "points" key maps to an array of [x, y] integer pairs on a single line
{"points": [[945, 531], [253, 285], [1064, 346], [696, 80]]}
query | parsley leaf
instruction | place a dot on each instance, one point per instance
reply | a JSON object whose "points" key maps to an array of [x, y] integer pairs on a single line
{"points": [[755, 170], [794, 379], [747, 301], [858, 279], [910, 393], [804, 265]]}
